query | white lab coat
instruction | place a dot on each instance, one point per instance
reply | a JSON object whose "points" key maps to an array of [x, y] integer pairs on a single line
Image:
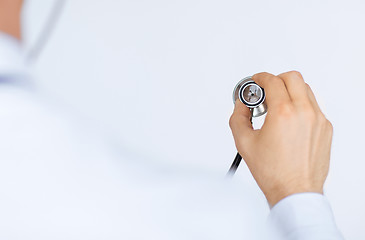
{"points": [[59, 179]]}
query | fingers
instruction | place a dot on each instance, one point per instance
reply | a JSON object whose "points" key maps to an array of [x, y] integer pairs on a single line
{"points": [[275, 90], [312, 98], [240, 123], [296, 87], [281, 92]]}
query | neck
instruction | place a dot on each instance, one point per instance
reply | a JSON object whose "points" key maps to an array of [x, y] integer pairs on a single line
{"points": [[10, 17]]}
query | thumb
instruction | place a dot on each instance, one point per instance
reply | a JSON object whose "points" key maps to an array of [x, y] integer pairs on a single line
{"points": [[240, 123]]}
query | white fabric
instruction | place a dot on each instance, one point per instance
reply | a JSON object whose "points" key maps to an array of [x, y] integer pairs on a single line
{"points": [[11, 56], [303, 216], [59, 179]]}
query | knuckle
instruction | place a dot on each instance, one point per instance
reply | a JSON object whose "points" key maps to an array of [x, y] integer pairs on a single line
{"points": [[262, 76], [308, 88], [295, 74], [309, 114], [275, 78], [257, 76], [285, 109], [321, 119], [232, 121], [330, 126]]}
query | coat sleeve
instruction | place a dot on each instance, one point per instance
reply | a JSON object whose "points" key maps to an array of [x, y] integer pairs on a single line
{"points": [[303, 216]]}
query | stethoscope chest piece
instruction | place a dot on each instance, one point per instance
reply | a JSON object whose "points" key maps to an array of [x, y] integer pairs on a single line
{"points": [[252, 95]]}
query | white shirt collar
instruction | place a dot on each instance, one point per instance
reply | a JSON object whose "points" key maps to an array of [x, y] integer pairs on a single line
{"points": [[12, 62]]}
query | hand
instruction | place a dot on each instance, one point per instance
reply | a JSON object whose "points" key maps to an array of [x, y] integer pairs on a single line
{"points": [[291, 152]]}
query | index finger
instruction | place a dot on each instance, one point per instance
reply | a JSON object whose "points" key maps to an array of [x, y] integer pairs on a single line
{"points": [[240, 123], [275, 90]]}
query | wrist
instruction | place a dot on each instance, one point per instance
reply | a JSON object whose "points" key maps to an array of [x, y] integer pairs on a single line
{"points": [[280, 193]]}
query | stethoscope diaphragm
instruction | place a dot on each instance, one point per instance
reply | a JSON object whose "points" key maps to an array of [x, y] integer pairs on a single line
{"points": [[252, 95]]}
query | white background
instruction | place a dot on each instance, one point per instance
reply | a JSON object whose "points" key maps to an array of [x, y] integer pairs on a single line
{"points": [[158, 76]]}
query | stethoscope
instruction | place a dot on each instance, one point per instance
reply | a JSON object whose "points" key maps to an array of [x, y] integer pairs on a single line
{"points": [[253, 96], [246, 90], [32, 55]]}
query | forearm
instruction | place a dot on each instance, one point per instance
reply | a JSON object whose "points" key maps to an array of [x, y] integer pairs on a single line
{"points": [[10, 19]]}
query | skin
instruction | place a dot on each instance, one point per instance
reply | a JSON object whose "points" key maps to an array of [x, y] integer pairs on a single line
{"points": [[291, 152], [10, 19]]}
